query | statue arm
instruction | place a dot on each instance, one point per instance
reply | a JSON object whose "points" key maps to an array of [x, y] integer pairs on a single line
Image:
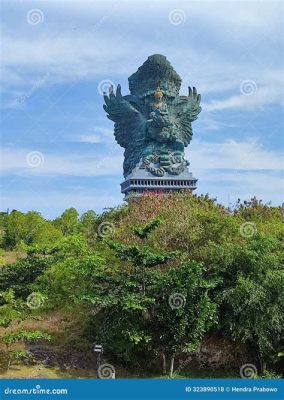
{"points": [[117, 107], [186, 110], [129, 122], [193, 102]]}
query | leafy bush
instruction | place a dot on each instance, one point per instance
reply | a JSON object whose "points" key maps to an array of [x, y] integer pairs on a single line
{"points": [[227, 264], [28, 228], [20, 276], [23, 335]]}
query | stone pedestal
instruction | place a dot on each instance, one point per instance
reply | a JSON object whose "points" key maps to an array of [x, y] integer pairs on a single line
{"points": [[140, 181]]}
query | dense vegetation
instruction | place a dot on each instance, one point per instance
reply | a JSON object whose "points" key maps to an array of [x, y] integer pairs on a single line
{"points": [[152, 281]]}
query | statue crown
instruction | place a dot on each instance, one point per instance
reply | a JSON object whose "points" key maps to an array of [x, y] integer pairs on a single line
{"points": [[155, 71]]}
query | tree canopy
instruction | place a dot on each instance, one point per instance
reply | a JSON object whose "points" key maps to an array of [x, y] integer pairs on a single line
{"points": [[167, 273]]}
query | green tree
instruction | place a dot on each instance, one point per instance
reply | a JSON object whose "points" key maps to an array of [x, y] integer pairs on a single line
{"points": [[68, 222], [72, 273], [10, 308], [20, 276], [27, 228], [172, 317], [88, 225], [183, 311], [163, 251], [253, 297], [15, 229], [142, 257], [22, 336]]}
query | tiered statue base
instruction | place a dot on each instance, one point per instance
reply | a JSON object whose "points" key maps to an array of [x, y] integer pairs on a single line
{"points": [[141, 181]]}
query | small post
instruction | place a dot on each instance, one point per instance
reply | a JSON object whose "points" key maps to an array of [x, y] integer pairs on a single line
{"points": [[98, 349]]}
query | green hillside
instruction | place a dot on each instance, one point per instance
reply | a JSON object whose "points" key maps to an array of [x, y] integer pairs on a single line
{"points": [[176, 285]]}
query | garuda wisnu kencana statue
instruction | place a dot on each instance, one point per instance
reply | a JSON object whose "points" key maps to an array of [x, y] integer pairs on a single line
{"points": [[153, 122]]}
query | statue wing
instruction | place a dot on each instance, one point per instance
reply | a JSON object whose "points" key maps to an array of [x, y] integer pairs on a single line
{"points": [[129, 127], [186, 110]]}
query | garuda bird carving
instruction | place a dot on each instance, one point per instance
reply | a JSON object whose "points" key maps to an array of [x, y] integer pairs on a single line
{"points": [[153, 123]]}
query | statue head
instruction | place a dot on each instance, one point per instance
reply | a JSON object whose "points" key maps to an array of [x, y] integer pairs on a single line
{"points": [[156, 72], [158, 94]]}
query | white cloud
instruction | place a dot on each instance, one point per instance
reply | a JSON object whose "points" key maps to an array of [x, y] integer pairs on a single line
{"points": [[230, 154], [207, 123], [253, 15], [99, 134], [70, 56], [262, 97], [90, 139], [14, 162], [51, 204], [228, 186], [226, 170], [222, 44], [77, 51]]}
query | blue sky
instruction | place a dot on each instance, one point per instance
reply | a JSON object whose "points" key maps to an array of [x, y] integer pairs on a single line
{"points": [[58, 148]]}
